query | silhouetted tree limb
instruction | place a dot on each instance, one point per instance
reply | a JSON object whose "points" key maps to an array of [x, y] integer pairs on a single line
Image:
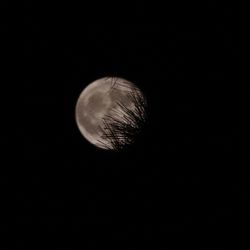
{"points": [[121, 128]]}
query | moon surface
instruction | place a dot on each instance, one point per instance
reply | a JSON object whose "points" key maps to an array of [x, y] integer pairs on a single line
{"points": [[105, 100]]}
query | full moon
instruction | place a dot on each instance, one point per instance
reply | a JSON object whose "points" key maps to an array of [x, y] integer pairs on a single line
{"points": [[110, 112]]}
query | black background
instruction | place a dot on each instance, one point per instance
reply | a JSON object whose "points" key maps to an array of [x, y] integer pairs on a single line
{"points": [[184, 182]]}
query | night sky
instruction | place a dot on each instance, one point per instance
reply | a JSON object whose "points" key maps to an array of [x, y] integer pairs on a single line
{"points": [[183, 184]]}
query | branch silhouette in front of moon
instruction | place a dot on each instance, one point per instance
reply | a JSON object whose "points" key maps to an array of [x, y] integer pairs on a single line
{"points": [[110, 113]]}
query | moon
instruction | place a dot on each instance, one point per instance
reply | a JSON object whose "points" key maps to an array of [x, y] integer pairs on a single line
{"points": [[110, 112]]}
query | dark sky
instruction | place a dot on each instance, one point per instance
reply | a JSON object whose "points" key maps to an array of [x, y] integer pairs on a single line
{"points": [[183, 183]]}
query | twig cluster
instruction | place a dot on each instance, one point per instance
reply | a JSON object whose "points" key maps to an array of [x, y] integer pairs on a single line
{"points": [[121, 128]]}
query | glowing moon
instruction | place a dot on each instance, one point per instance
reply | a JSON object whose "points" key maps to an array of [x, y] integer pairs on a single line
{"points": [[110, 112]]}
